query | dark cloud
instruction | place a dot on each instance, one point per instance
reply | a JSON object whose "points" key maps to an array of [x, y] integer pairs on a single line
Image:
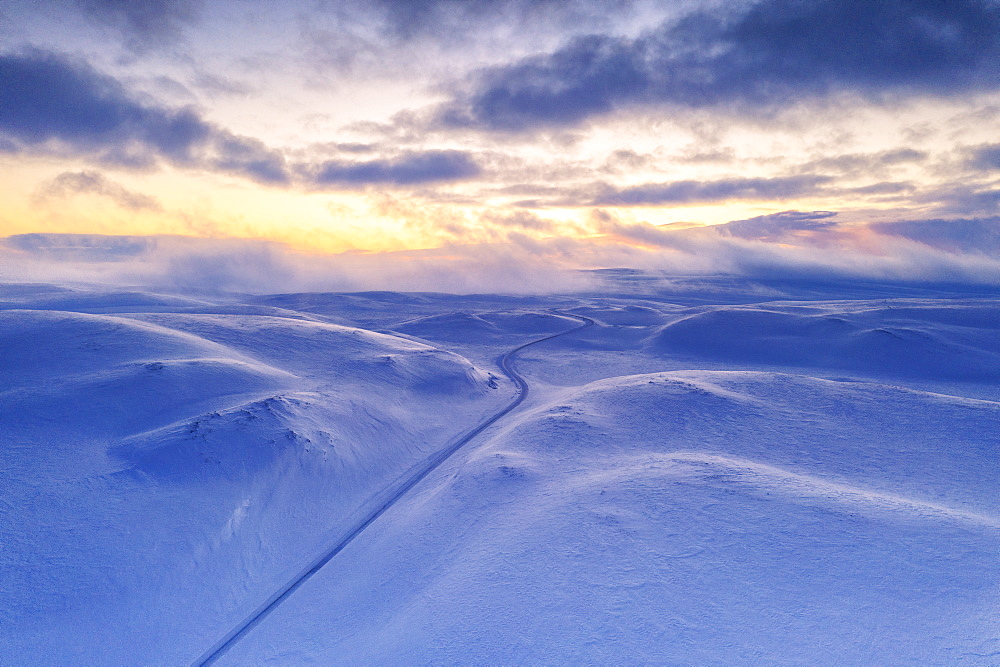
{"points": [[144, 24], [985, 157], [682, 192], [247, 157], [592, 75], [49, 98], [774, 53], [408, 169], [93, 182], [52, 103]]}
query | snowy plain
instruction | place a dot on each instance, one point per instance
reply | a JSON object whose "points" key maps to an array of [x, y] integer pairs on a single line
{"points": [[712, 472]]}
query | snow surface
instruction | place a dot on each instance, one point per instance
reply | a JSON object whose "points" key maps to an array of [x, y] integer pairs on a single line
{"points": [[712, 473]]}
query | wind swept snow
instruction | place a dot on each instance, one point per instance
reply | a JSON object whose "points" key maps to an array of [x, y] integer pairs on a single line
{"points": [[701, 477], [709, 518], [169, 471]]}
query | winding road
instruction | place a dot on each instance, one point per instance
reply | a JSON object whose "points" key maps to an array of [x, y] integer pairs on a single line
{"points": [[506, 364]]}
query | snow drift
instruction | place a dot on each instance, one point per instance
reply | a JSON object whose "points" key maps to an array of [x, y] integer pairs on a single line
{"points": [[706, 476]]}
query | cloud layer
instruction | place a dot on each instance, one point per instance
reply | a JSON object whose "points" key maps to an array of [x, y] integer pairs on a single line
{"points": [[389, 124], [684, 192], [56, 103], [775, 53], [791, 245], [408, 169]]}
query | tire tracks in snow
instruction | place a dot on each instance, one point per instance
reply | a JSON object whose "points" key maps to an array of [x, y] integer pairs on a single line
{"points": [[506, 364]]}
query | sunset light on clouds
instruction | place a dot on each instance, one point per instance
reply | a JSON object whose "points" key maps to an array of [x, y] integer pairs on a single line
{"points": [[861, 135]]}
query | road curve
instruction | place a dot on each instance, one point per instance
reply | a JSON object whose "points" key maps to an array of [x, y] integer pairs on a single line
{"points": [[506, 364]]}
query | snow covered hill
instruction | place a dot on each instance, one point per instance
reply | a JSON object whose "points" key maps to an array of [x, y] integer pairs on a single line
{"points": [[682, 518], [697, 478], [909, 338], [162, 473]]}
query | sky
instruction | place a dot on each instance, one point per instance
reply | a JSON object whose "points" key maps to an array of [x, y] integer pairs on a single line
{"points": [[850, 136]]}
